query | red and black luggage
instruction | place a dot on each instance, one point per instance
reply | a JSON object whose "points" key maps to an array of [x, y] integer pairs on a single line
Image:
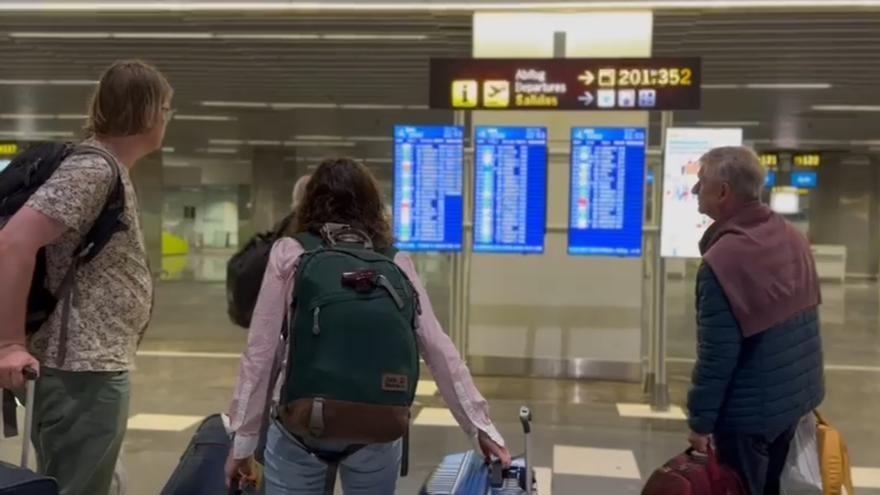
{"points": [[19, 480], [691, 473]]}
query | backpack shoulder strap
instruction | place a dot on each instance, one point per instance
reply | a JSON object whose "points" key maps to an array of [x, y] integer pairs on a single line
{"points": [[108, 222], [390, 252], [309, 241]]}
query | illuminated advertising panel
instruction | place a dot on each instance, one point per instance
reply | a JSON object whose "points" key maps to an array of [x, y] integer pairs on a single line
{"points": [[683, 225]]}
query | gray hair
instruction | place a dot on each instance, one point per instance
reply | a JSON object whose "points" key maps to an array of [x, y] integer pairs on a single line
{"points": [[299, 191], [739, 167]]}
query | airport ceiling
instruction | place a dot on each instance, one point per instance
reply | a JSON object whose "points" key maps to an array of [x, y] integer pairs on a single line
{"points": [[335, 82]]}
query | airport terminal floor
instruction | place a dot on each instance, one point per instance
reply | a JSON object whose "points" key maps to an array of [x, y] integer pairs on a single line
{"points": [[583, 441]]}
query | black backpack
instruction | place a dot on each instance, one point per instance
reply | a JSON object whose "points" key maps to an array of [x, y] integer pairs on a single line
{"points": [[244, 274], [27, 172]]}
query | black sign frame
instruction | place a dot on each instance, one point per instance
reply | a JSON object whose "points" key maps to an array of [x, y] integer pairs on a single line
{"points": [[641, 84]]}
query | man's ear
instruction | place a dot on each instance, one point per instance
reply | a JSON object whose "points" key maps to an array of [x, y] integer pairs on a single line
{"points": [[725, 190]]}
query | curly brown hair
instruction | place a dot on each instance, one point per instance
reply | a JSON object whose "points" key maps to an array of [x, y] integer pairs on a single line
{"points": [[344, 191]]}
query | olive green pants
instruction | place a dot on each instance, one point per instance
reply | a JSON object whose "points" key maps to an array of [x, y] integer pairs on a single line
{"points": [[79, 424]]}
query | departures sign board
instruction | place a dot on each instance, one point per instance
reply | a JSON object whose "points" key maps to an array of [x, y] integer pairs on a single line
{"points": [[566, 84]]}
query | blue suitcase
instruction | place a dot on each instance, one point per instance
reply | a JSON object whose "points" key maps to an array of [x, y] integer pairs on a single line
{"points": [[19, 480], [201, 467], [466, 473]]}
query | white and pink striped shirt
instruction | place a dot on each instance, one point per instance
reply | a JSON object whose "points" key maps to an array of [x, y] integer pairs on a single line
{"points": [[453, 378]]}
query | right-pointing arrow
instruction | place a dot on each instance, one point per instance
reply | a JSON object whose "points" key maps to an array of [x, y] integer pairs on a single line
{"points": [[586, 98], [587, 78]]}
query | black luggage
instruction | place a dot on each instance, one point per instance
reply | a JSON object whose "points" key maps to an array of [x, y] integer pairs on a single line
{"points": [[467, 474], [19, 480], [200, 471]]}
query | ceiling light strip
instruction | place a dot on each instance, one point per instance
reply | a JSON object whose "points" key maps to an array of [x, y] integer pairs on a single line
{"points": [[847, 108], [138, 35], [310, 105], [296, 6]]}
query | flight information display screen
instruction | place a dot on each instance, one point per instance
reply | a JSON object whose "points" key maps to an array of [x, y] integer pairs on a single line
{"points": [[804, 179], [510, 196], [428, 200], [607, 191]]}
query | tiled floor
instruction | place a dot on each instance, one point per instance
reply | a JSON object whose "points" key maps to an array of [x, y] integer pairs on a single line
{"points": [[603, 442]]}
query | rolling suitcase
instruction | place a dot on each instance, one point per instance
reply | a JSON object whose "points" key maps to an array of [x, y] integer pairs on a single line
{"points": [[694, 474], [19, 480], [201, 467], [467, 474]]}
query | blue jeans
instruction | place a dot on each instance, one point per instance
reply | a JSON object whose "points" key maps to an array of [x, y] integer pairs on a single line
{"points": [[291, 470]]}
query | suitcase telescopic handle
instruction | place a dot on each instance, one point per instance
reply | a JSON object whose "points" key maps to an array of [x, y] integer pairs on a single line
{"points": [[525, 417], [30, 376]]}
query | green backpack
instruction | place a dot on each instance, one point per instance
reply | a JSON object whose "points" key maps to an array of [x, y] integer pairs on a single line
{"points": [[353, 363]]}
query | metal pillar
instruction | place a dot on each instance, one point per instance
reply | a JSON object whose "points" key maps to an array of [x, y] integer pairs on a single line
{"points": [[660, 389], [461, 263]]}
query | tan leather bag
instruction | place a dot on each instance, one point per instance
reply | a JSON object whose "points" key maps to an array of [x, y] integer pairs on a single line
{"points": [[833, 459]]}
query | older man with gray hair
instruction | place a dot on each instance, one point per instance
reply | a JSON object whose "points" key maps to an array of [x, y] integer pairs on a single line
{"points": [[759, 354]]}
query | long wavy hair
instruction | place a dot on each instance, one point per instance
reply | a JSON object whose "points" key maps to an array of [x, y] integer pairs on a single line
{"points": [[343, 191]]}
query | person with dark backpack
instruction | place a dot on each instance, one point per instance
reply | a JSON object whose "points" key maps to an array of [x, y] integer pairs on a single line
{"points": [[76, 289], [341, 320], [244, 272]]}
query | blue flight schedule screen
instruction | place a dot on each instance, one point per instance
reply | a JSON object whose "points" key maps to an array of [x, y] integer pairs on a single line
{"points": [[510, 194], [804, 179], [607, 191], [428, 201]]}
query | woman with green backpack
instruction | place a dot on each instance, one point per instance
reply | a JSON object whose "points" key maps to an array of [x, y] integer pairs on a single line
{"points": [[356, 317]]}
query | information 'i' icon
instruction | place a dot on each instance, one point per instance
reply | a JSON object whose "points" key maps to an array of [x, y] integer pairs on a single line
{"points": [[465, 94]]}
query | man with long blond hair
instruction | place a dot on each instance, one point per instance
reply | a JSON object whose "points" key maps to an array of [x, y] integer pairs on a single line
{"points": [[85, 350]]}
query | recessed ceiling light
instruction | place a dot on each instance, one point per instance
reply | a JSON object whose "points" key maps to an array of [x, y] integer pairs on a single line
{"points": [[220, 151], [268, 36], [162, 36], [205, 118], [303, 105], [310, 105], [322, 144], [26, 116], [32, 135], [733, 123], [376, 37], [226, 142], [316, 137], [788, 86], [44, 82], [370, 106], [847, 108], [234, 104], [371, 138], [193, 35], [167, 149], [84, 35]]}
